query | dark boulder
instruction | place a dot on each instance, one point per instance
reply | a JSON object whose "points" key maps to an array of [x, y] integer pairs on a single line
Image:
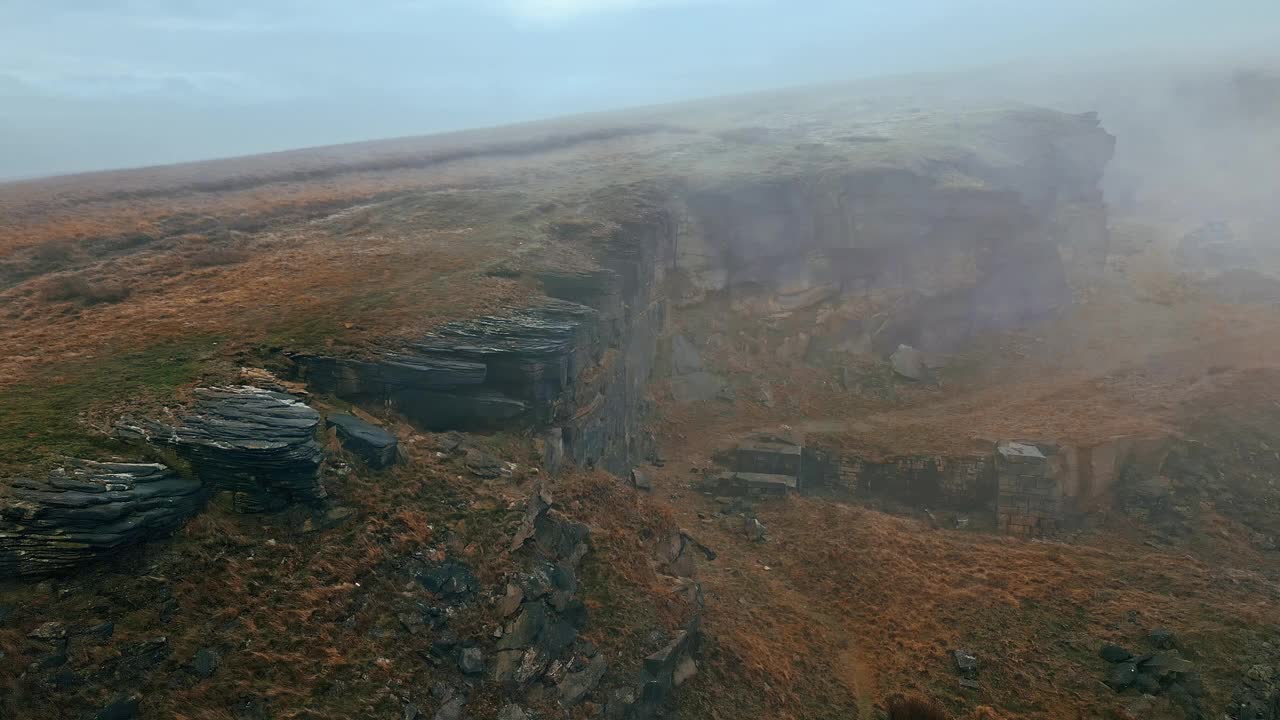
{"points": [[89, 510], [658, 675], [577, 685], [258, 444], [122, 708], [1146, 683], [1161, 638], [205, 662], [482, 464], [471, 661], [451, 710], [1165, 663], [512, 712], [450, 579], [375, 446], [1121, 676], [966, 662], [1114, 653]]}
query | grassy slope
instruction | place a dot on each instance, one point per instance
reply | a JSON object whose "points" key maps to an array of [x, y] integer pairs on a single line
{"points": [[344, 247]]}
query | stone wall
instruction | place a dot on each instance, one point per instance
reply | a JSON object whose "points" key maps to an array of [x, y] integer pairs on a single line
{"points": [[934, 481], [1029, 501]]}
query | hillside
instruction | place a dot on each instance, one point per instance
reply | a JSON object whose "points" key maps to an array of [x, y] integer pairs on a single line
{"points": [[431, 427]]}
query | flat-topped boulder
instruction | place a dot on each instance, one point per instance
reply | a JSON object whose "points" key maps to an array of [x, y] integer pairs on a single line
{"points": [[259, 444], [84, 511], [372, 444]]}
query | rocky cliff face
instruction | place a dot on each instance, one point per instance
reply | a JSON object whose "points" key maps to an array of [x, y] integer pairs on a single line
{"points": [[574, 366], [857, 260], [866, 259]]}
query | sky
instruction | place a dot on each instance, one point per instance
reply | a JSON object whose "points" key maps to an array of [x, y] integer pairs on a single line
{"points": [[93, 84]]}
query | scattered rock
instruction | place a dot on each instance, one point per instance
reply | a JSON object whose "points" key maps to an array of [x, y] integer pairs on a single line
{"points": [[538, 505], [205, 662], [640, 480], [89, 510], [1162, 638], [450, 579], [49, 631], [510, 602], [330, 517], [449, 443], [139, 658], [444, 643], [1166, 663], [907, 362], [55, 660], [1260, 673], [66, 680], [687, 668], [471, 661], [512, 712], [575, 686], [753, 529], [1114, 653], [122, 708], [482, 464], [1146, 683], [966, 662], [1121, 676], [451, 710], [375, 446]]}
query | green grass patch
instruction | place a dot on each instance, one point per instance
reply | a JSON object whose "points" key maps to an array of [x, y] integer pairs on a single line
{"points": [[49, 414]]}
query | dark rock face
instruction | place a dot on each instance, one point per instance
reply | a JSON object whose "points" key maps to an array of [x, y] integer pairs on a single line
{"points": [[469, 375], [124, 708], [893, 256], [575, 364], [258, 444], [1114, 653], [88, 510], [662, 672], [375, 446]]}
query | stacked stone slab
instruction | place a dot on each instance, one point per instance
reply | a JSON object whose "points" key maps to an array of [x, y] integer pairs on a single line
{"points": [[375, 446], [960, 482], [258, 444], [86, 510], [1029, 499]]}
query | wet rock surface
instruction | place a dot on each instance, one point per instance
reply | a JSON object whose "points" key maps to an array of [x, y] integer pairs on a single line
{"points": [[90, 510], [258, 444], [1163, 672], [372, 444]]}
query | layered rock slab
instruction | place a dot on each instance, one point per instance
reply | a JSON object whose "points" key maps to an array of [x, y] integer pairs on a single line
{"points": [[85, 511], [258, 444], [375, 446], [472, 374]]}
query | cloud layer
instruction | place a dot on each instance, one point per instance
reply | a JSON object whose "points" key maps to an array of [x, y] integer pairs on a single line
{"points": [[95, 83]]}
